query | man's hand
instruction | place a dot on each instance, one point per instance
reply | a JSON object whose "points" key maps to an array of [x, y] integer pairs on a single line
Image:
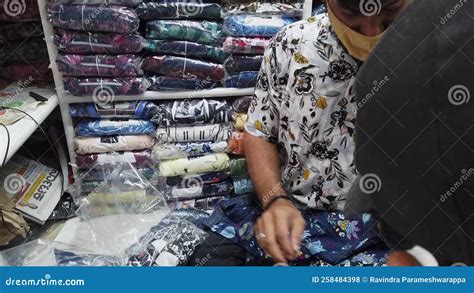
{"points": [[279, 230]]}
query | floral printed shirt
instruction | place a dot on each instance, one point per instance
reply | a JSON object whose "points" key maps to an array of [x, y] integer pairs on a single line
{"points": [[304, 103]]}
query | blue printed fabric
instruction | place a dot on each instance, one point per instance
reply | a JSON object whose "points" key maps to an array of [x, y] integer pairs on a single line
{"points": [[72, 259], [243, 186], [254, 25], [237, 63], [179, 10], [203, 32], [124, 126], [104, 89], [188, 49], [134, 109], [199, 191], [243, 79], [330, 238], [191, 149], [159, 83], [205, 178]]}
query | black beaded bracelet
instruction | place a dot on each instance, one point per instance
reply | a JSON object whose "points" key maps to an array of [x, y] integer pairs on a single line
{"points": [[275, 198]]}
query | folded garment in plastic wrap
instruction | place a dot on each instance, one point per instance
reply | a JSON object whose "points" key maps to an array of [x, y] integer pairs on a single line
{"points": [[183, 67], [15, 10], [254, 46], [103, 89], [294, 9], [134, 109], [188, 49], [254, 25], [79, 42], [238, 168], [184, 150], [195, 165], [204, 32], [243, 186], [236, 144], [115, 19], [138, 159], [20, 30], [105, 144], [192, 111], [66, 258], [200, 191], [128, 3], [236, 63], [15, 72], [240, 120], [122, 126], [179, 10], [242, 104], [168, 83], [198, 133], [100, 65], [21, 52], [197, 179], [243, 79], [202, 204]]}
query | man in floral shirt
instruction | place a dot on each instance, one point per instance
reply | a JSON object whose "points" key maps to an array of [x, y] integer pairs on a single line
{"points": [[300, 146]]}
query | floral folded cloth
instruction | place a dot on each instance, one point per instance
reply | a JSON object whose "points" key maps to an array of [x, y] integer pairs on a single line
{"points": [[100, 65], [242, 104], [192, 111], [197, 133], [119, 143], [93, 18], [179, 10], [197, 179], [23, 52], [255, 25], [240, 120], [201, 191], [294, 9], [118, 126], [104, 89], [20, 30], [237, 63], [243, 186], [187, 49], [15, 72], [236, 144], [242, 45], [19, 10], [203, 32], [191, 149], [139, 159], [243, 79], [132, 109], [127, 3], [169, 83], [195, 165], [183, 67], [79, 42]]}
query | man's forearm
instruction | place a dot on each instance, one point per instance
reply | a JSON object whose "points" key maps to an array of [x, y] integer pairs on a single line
{"points": [[263, 164]]}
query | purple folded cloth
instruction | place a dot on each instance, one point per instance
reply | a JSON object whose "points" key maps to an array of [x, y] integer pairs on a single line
{"points": [[100, 65], [138, 159], [104, 89]]}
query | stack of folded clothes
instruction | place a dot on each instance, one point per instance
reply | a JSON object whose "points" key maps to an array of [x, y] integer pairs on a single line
{"points": [[23, 52]]}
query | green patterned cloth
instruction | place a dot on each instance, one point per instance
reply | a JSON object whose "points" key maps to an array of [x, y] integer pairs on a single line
{"points": [[238, 168], [187, 49]]}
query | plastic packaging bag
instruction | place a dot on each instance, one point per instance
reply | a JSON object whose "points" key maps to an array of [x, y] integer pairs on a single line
{"points": [[235, 63], [242, 104], [197, 179], [80, 42], [187, 49], [179, 10], [94, 18], [204, 32], [87, 145], [184, 150], [243, 79], [168, 83], [19, 11], [137, 159], [133, 109], [254, 25], [128, 3], [198, 133], [294, 9], [22, 30], [202, 204], [200, 191], [103, 89], [21, 52], [254, 46], [123, 126], [195, 165], [100, 65]]}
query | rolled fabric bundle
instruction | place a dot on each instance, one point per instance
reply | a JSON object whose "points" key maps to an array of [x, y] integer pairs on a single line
{"points": [[15, 72], [192, 111], [240, 120], [104, 89], [20, 30], [238, 168], [21, 52], [100, 65], [139, 159], [251, 25], [183, 67], [242, 45], [133, 109], [115, 19], [179, 10], [242, 104], [242, 80], [87, 145], [194, 165], [169, 83], [198, 133], [243, 186], [237, 63], [105, 127], [204, 32], [201, 191], [79, 42], [294, 9], [184, 150], [19, 11], [236, 144], [197, 179], [188, 49]]}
